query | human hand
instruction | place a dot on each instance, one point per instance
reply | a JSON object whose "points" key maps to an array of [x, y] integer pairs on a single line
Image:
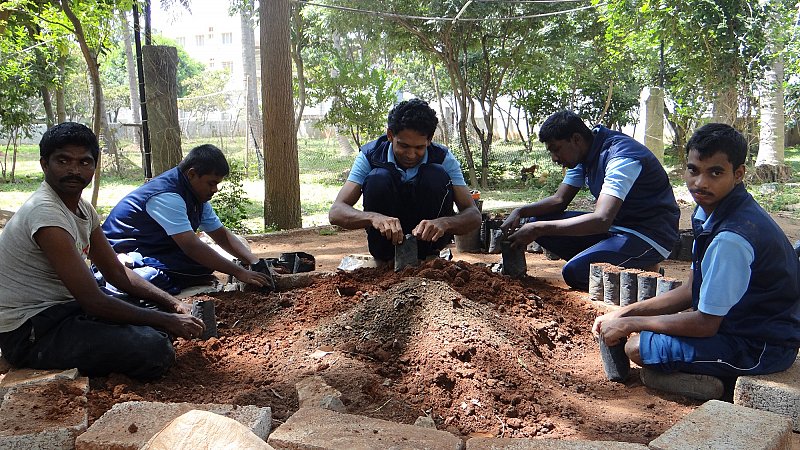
{"points": [[389, 227], [512, 222], [250, 277], [524, 235], [184, 325], [429, 230], [610, 327], [182, 308]]}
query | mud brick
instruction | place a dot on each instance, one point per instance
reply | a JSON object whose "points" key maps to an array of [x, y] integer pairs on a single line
{"points": [[44, 415], [322, 429], [718, 424], [547, 444], [776, 392], [129, 425]]}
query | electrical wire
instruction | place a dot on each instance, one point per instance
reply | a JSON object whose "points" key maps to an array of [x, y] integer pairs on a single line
{"points": [[447, 19]]}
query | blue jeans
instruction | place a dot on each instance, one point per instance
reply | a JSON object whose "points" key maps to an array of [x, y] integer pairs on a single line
{"points": [[620, 249], [64, 336], [427, 196]]}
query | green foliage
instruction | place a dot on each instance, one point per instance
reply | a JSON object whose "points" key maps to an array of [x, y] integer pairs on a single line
{"points": [[115, 73], [205, 94], [231, 202]]}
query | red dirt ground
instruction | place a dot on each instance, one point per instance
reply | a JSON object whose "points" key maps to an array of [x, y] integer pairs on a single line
{"points": [[482, 354]]}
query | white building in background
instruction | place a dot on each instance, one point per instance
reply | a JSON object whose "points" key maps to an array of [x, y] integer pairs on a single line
{"points": [[209, 34]]}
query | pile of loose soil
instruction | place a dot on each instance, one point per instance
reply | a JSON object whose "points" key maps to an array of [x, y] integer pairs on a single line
{"points": [[480, 353]]}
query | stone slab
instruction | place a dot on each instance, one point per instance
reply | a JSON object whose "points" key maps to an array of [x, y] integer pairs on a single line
{"points": [[16, 377], [129, 425], [547, 444], [777, 392], [205, 430], [322, 429], [721, 425], [44, 415]]}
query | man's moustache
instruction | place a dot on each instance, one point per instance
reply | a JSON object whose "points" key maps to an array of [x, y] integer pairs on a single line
{"points": [[73, 178]]}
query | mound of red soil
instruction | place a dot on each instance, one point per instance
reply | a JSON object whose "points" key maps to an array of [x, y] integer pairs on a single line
{"points": [[480, 353]]}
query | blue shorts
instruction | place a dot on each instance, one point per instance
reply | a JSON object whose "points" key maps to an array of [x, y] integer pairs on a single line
{"points": [[719, 355]]}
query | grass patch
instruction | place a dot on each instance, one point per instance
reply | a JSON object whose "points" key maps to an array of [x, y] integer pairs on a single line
{"points": [[323, 168]]}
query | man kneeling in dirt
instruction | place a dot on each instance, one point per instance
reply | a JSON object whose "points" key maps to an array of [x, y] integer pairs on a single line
{"points": [[156, 226], [409, 185], [743, 293], [635, 220], [52, 313]]}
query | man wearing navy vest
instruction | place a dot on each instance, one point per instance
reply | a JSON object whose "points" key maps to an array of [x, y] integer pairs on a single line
{"points": [[158, 222], [743, 293], [635, 219], [409, 185]]}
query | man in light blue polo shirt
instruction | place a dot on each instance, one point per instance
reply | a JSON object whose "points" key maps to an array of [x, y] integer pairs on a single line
{"points": [[635, 220], [410, 185], [742, 296]]}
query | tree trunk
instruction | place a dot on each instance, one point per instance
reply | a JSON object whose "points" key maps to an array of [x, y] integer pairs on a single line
{"points": [[50, 116], [443, 120], [282, 173], [345, 149], [61, 108], [250, 78], [100, 120], [770, 159], [160, 65], [726, 105], [133, 83], [297, 57]]}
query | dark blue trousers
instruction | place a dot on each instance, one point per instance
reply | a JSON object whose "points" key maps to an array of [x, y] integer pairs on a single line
{"points": [[621, 249], [64, 336], [427, 196]]}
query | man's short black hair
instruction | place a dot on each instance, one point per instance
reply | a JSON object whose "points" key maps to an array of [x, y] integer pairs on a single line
{"points": [[719, 137], [205, 159], [562, 125], [414, 114], [68, 133]]}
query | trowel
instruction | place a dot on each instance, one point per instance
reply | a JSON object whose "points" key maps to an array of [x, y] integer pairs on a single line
{"points": [[405, 253]]}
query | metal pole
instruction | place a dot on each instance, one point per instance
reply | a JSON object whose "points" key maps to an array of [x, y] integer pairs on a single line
{"points": [[146, 163], [246, 123]]}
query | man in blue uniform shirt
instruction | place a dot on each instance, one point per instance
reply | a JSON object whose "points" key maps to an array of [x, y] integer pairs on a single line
{"points": [[158, 221], [742, 296], [635, 221], [409, 184]]}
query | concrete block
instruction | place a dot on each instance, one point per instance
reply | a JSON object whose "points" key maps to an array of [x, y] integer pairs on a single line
{"points": [[44, 415], [322, 429], [129, 425], [776, 392], [721, 425], [17, 377], [547, 444]]}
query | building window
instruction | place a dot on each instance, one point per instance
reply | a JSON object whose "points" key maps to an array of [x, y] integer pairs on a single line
{"points": [[181, 41], [227, 65], [199, 40], [211, 63], [227, 38]]}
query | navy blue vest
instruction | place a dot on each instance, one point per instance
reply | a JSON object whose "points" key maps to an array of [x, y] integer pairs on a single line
{"points": [[650, 206], [129, 228], [769, 311], [377, 153]]}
